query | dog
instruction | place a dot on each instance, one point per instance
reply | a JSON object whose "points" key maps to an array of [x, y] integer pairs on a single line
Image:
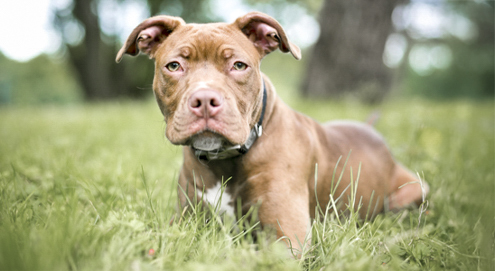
{"points": [[232, 125]]}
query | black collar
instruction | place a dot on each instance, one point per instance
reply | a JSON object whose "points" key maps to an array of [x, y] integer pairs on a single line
{"points": [[233, 151]]}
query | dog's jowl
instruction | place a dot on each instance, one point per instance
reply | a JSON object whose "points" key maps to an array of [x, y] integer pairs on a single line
{"points": [[232, 125]]}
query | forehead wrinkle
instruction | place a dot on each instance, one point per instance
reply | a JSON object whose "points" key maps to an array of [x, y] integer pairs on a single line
{"points": [[210, 38], [206, 42], [225, 51], [185, 51]]}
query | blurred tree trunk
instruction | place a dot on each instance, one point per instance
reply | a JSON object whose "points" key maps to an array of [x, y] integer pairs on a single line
{"points": [[347, 58], [88, 58], [100, 77]]}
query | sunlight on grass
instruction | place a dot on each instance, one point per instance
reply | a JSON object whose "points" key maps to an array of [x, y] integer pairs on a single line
{"points": [[93, 187]]}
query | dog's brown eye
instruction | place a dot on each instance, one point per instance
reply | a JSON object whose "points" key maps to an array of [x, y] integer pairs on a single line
{"points": [[173, 66], [240, 66]]}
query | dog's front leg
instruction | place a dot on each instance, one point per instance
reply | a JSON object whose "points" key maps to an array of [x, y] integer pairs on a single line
{"points": [[285, 208]]}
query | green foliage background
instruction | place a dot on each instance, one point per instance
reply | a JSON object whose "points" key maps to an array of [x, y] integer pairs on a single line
{"points": [[42, 80]]}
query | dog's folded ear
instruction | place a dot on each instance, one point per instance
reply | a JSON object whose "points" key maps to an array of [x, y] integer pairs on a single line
{"points": [[266, 34], [148, 35]]}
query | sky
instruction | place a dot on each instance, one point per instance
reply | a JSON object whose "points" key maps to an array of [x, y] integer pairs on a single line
{"points": [[26, 26], [25, 29]]}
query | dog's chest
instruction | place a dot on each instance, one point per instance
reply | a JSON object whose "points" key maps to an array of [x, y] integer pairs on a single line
{"points": [[218, 197]]}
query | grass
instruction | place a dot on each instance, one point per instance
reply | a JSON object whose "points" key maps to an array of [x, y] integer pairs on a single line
{"points": [[93, 187]]}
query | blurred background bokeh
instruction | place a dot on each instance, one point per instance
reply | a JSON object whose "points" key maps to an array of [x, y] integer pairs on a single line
{"points": [[63, 51]]}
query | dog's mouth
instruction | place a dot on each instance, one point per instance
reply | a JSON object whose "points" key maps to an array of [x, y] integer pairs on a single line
{"points": [[207, 141]]}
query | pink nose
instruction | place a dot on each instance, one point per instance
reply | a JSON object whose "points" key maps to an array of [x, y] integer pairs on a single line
{"points": [[205, 103]]}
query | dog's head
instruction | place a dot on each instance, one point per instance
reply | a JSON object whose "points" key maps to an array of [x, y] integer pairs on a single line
{"points": [[207, 81]]}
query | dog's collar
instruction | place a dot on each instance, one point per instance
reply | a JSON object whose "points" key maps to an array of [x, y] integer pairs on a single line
{"points": [[233, 151]]}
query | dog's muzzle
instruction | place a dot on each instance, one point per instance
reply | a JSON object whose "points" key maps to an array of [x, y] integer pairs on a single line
{"points": [[236, 150]]}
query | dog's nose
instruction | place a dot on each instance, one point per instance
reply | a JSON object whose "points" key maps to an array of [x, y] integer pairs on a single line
{"points": [[205, 103]]}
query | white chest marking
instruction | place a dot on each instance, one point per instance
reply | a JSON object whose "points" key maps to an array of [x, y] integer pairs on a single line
{"points": [[212, 196]]}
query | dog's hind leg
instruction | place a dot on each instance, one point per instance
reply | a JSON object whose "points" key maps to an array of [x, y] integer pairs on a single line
{"points": [[406, 189]]}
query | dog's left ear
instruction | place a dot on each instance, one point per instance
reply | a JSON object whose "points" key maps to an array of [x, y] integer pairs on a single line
{"points": [[266, 34], [148, 35]]}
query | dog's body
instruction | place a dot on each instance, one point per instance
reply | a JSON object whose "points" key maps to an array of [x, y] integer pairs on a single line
{"points": [[226, 113]]}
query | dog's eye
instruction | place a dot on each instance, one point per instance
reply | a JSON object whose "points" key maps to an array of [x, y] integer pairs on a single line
{"points": [[173, 66], [240, 66]]}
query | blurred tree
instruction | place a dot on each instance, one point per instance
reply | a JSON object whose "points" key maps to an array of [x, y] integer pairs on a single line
{"points": [[93, 53], [276, 7], [348, 54], [192, 11], [471, 70]]}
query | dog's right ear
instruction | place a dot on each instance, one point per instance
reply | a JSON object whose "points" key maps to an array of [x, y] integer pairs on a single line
{"points": [[266, 34], [148, 35]]}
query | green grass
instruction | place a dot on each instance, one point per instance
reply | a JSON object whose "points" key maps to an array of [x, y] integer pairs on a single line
{"points": [[92, 187]]}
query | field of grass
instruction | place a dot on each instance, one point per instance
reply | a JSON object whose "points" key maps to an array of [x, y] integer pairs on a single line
{"points": [[93, 187]]}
